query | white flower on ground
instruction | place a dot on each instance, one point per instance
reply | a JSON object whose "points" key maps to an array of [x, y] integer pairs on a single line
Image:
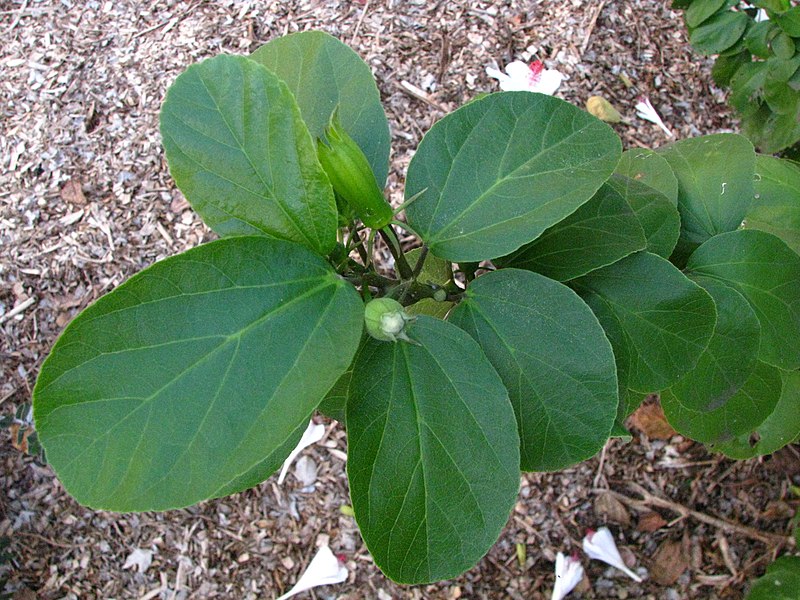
{"points": [[569, 573], [645, 110], [324, 569], [600, 545], [520, 77], [312, 435]]}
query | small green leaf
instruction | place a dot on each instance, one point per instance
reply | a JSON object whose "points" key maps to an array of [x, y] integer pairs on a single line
{"points": [[746, 409], [658, 217], [599, 233], [781, 427], [193, 379], [719, 33], [715, 185], [758, 38], [499, 171], [326, 75], [783, 46], [730, 356], [764, 270], [725, 67], [553, 357], [701, 10], [240, 152], [776, 208], [650, 168], [434, 271], [658, 321], [789, 21], [433, 452]]}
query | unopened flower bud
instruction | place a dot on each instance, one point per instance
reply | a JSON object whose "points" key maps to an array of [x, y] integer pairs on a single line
{"points": [[386, 320], [351, 176]]}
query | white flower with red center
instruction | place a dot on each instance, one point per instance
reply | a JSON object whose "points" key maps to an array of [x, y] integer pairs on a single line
{"points": [[533, 77]]}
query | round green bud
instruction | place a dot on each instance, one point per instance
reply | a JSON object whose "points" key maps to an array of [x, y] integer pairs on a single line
{"points": [[440, 295], [386, 319]]}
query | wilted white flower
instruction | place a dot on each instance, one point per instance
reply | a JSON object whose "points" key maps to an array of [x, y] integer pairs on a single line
{"points": [[645, 110], [600, 545], [324, 569], [569, 573], [520, 77], [312, 435]]}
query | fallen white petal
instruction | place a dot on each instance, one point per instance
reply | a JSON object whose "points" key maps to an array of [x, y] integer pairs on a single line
{"points": [[312, 435], [324, 569], [600, 545], [645, 110], [139, 558], [569, 573]]}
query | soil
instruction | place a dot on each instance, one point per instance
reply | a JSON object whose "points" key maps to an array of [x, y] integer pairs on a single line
{"points": [[86, 201]]}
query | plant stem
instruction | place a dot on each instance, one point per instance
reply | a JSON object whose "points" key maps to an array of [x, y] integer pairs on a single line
{"points": [[423, 254], [390, 237]]}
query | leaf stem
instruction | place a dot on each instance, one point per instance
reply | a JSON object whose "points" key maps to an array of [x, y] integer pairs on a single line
{"points": [[390, 237]]}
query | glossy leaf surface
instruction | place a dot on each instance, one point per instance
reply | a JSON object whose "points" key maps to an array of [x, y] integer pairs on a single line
{"points": [[238, 149], [781, 427], [658, 321], [764, 270], [500, 170], [650, 168], [600, 232], [776, 208], [658, 217], [553, 357], [749, 406], [326, 75], [189, 381], [433, 452], [730, 356], [715, 185]]}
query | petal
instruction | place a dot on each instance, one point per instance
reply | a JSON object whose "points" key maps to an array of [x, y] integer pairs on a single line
{"points": [[496, 74], [549, 82], [569, 573], [312, 435], [324, 569], [600, 545]]}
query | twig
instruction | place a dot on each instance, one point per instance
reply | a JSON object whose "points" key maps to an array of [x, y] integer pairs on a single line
{"points": [[415, 92], [590, 29], [649, 500], [359, 22], [600, 466], [19, 308], [16, 20]]}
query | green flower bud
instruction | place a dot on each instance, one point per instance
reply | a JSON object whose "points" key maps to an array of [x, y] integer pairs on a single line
{"points": [[386, 320], [351, 176]]}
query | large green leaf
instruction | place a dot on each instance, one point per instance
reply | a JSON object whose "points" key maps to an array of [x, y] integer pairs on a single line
{"points": [[658, 217], [731, 354], [599, 233], [326, 75], [650, 168], [496, 173], [240, 152], [658, 321], [780, 428], [719, 33], [196, 377], [433, 452], [553, 357], [715, 185], [740, 413], [764, 270], [776, 208], [781, 582]]}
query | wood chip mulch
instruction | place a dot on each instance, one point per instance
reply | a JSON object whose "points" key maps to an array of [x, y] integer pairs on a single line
{"points": [[86, 201]]}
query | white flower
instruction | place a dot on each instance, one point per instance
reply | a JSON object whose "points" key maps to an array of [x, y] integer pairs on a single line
{"points": [[520, 77], [312, 435], [645, 110], [324, 569], [600, 545], [569, 573]]}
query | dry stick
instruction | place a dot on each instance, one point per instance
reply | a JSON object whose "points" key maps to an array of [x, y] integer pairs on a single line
{"points": [[590, 29], [649, 500], [17, 310], [359, 22]]}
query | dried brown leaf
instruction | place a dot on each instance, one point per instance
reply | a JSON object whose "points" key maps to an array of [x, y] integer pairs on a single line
{"points": [[670, 560], [650, 522], [650, 420], [607, 506], [72, 192]]}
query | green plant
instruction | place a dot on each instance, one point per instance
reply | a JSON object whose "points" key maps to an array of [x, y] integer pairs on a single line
{"points": [[544, 246], [758, 61]]}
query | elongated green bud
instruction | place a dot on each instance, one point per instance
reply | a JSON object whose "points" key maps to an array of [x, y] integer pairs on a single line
{"points": [[352, 177], [386, 319]]}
